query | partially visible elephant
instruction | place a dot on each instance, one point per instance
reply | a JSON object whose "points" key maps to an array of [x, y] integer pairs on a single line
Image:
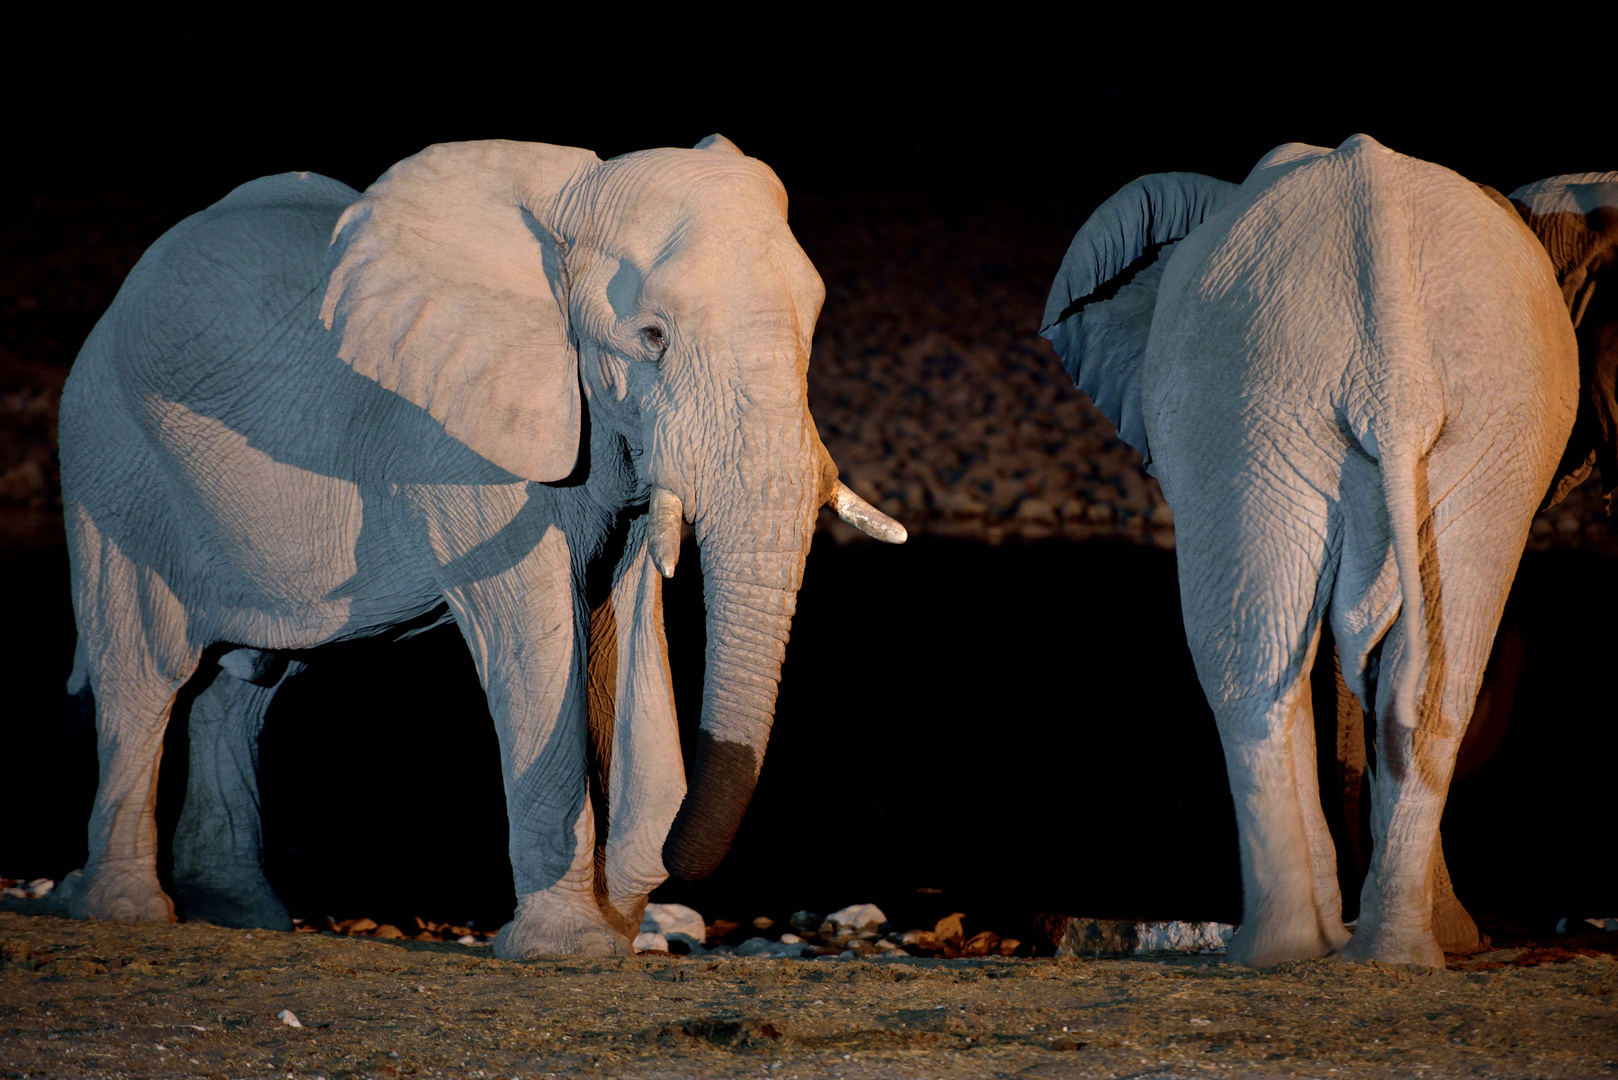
{"points": [[1354, 376], [488, 391], [1576, 218]]}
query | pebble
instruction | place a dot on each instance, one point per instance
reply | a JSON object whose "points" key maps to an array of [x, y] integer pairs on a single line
{"points": [[26, 890], [670, 919], [857, 917], [287, 1017], [760, 946], [651, 941], [805, 920], [688, 945]]}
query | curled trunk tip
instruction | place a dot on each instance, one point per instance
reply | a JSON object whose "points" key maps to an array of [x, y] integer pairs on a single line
{"points": [[722, 783]]}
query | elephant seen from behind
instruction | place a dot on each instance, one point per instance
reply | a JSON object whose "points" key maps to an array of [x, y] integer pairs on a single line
{"points": [[1355, 377], [488, 390]]}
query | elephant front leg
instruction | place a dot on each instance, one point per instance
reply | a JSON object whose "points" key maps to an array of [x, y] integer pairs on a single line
{"points": [[218, 842], [636, 735], [526, 628]]}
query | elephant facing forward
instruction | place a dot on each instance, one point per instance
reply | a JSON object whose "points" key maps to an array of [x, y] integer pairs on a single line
{"points": [[488, 390], [1354, 376]]}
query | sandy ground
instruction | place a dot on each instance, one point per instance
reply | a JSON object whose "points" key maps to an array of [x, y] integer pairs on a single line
{"points": [[105, 999]]}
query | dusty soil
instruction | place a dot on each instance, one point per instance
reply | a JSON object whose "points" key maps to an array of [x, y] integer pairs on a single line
{"points": [[104, 999]]}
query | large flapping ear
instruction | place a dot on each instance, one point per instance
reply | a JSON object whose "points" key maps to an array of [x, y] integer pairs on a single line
{"points": [[449, 288], [1100, 308], [1576, 219]]}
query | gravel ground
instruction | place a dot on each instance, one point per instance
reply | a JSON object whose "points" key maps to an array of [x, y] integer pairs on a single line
{"points": [[108, 999], [929, 382]]}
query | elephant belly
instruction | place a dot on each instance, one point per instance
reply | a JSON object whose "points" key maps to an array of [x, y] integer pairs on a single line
{"points": [[277, 555]]}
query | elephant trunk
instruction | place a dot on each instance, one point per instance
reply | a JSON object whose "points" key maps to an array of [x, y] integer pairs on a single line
{"points": [[750, 598]]}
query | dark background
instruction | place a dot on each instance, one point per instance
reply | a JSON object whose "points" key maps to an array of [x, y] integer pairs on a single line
{"points": [[1017, 726]]}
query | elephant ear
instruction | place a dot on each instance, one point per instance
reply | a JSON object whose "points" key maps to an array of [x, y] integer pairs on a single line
{"points": [[1576, 219], [1099, 313], [448, 287]]}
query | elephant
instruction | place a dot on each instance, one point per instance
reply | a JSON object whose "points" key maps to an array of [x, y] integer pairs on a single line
{"points": [[490, 390], [1576, 219], [1354, 376]]}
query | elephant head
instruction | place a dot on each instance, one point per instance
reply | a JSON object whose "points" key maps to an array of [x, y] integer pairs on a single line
{"points": [[495, 283], [1576, 218]]}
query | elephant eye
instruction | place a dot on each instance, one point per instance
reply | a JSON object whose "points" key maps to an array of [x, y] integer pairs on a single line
{"points": [[652, 337]]}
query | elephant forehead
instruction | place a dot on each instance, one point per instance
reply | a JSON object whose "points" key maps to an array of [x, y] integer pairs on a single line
{"points": [[657, 196]]}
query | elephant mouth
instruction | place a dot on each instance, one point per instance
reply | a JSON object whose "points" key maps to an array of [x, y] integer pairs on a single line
{"points": [[666, 513]]}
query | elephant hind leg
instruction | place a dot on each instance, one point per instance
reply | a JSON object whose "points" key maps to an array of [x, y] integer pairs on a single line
{"points": [[1477, 538], [1254, 577], [218, 842], [136, 656]]}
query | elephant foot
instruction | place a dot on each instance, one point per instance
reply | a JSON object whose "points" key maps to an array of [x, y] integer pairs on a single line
{"points": [[550, 925], [1454, 928], [117, 892], [241, 898], [1259, 945], [1393, 947]]}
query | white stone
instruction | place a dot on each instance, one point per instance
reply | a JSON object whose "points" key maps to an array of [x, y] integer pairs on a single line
{"points": [[858, 917], [286, 1017], [32, 890], [791, 939], [1191, 937], [650, 939], [674, 919]]}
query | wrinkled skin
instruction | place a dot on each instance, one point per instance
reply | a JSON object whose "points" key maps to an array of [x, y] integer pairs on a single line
{"points": [[1354, 377], [488, 392]]}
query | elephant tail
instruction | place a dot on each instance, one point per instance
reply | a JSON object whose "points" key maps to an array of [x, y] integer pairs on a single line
{"points": [[1401, 463]]}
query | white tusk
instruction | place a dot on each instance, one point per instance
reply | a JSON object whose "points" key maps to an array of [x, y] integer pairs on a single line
{"points": [[865, 517], [666, 514]]}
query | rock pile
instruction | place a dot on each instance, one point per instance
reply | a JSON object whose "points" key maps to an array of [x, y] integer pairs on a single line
{"points": [[18, 889], [856, 932], [424, 930]]}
